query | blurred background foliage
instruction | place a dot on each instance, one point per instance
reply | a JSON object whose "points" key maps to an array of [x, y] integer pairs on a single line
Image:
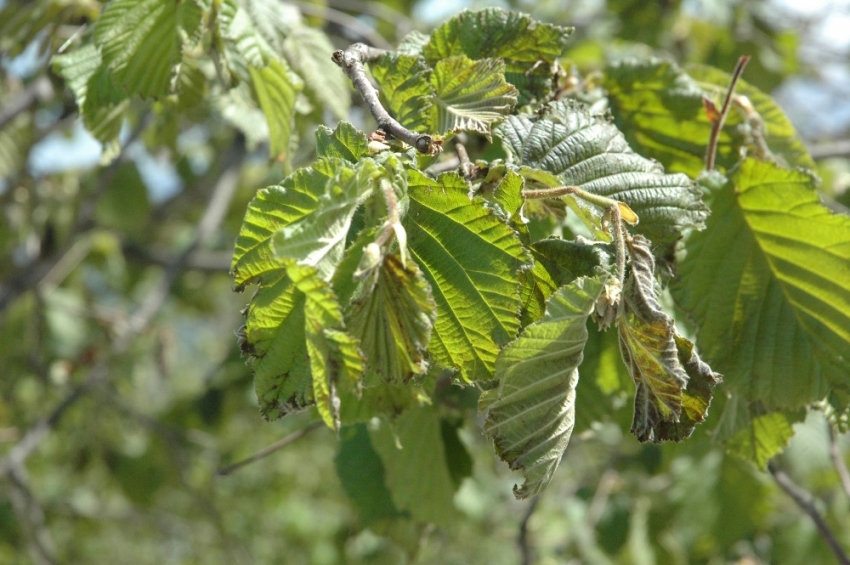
{"points": [[123, 392]]}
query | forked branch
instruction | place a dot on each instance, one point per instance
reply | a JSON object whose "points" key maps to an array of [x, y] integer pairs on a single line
{"points": [[351, 62]]}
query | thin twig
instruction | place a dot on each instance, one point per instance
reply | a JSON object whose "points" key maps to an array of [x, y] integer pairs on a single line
{"points": [[351, 61], [830, 149], [717, 123], [838, 460], [266, 451], [805, 501], [525, 548]]}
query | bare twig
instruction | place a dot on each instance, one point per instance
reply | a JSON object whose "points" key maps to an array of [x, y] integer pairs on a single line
{"points": [[805, 501], [717, 121], [838, 460], [525, 548], [266, 451], [830, 149], [351, 61], [39, 90]]}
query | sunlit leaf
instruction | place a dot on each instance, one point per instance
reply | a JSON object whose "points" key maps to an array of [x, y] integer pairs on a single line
{"points": [[469, 95], [673, 386], [660, 109], [405, 84], [275, 87], [470, 258], [141, 41], [345, 142], [589, 152], [531, 414], [768, 285], [529, 48], [393, 315]]}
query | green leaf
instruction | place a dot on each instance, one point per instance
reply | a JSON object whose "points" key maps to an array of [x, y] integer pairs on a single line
{"points": [[459, 94], [141, 41], [345, 142], [392, 315], [308, 51], [297, 201], [673, 386], [362, 473], [300, 353], [275, 87], [244, 37], [753, 434], [103, 115], [660, 109], [528, 48], [239, 109], [469, 95], [768, 285], [588, 152], [318, 239], [417, 472], [470, 258], [531, 415]]}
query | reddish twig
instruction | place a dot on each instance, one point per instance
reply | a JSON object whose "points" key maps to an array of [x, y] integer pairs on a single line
{"points": [[718, 120]]}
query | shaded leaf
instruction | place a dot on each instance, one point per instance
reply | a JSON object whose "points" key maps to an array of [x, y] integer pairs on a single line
{"points": [[417, 472], [589, 152], [531, 414], [768, 285], [470, 258], [529, 48], [392, 315], [673, 386], [275, 87], [307, 50], [361, 474], [753, 434], [405, 85]]}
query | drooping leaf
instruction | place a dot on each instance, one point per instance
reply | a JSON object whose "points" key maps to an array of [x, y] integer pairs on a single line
{"points": [[300, 352], [276, 87], [307, 51], [768, 285], [470, 258], [345, 142], [531, 414], [393, 315], [245, 39], [469, 95], [660, 109], [104, 114], [673, 386], [141, 41], [589, 152], [529, 48], [299, 200], [417, 473]]}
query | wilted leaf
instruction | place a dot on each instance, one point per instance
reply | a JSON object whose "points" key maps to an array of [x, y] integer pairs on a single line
{"points": [[673, 386], [531, 414]]}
